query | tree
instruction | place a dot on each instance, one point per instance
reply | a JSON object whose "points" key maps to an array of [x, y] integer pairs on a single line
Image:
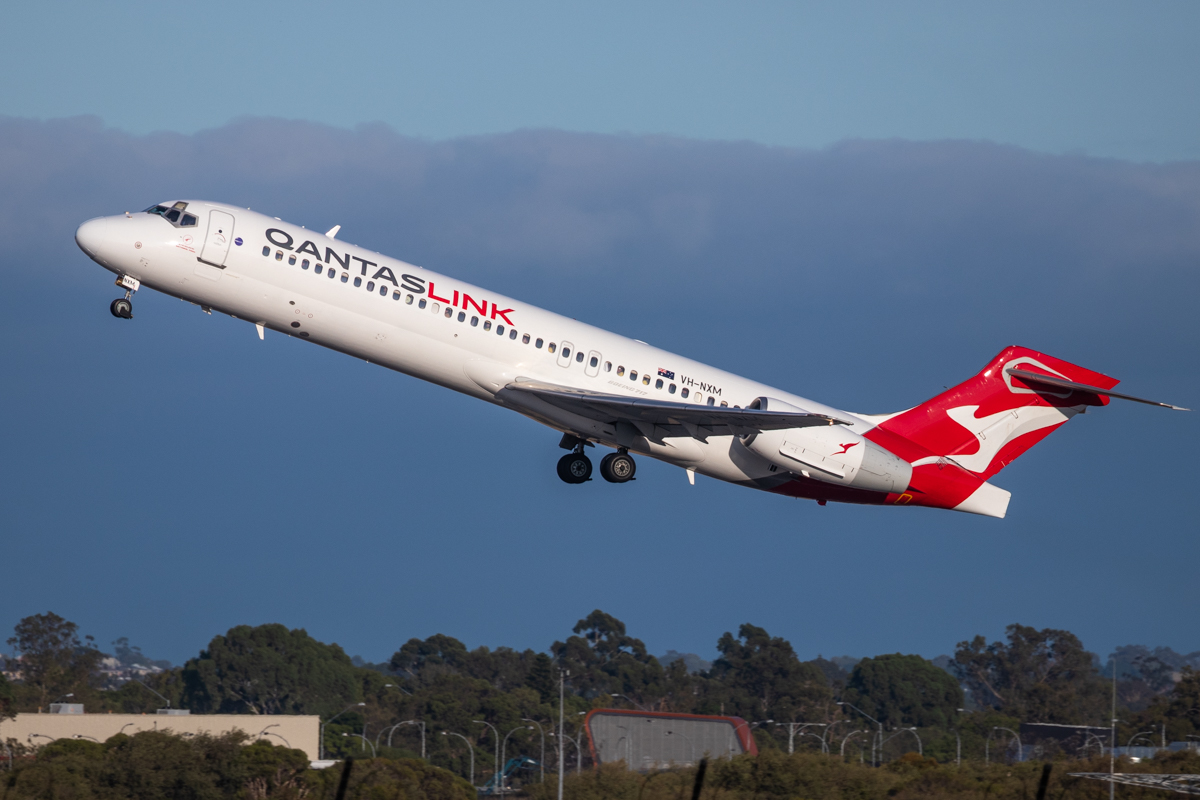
{"points": [[604, 659], [759, 677], [541, 678], [6, 698], [1038, 676], [904, 690], [53, 660], [270, 670]]}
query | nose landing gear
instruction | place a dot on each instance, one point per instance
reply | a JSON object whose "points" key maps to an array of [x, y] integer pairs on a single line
{"points": [[122, 307]]}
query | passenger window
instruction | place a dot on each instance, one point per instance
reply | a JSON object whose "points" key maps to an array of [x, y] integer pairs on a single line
{"points": [[345, 277], [711, 402], [357, 282], [449, 312], [550, 347], [279, 255], [724, 404], [462, 316], [436, 308], [633, 374], [671, 389], [266, 250], [608, 366], [499, 330], [317, 269], [645, 380], [370, 285], [579, 358], [408, 300], [684, 392], [396, 295], [699, 397], [474, 322], [304, 264], [538, 344], [291, 261], [525, 339], [513, 334], [620, 371], [383, 292], [332, 274], [658, 384], [565, 354], [423, 303], [487, 324], [172, 215], [594, 362]]}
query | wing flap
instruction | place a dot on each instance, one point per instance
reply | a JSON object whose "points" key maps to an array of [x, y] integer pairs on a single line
{"points": [[678, 419]]}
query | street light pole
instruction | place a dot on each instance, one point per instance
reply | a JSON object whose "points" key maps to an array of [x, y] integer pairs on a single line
{"points": [[504, 752], [639, 705], [562, 747], [365, 743], [877, 722], [496, 738], [469, 747], [321, 745], [541, 733], [800, 726]]}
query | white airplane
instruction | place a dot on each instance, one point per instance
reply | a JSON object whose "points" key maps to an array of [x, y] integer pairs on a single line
{"points": [[593, 386]]}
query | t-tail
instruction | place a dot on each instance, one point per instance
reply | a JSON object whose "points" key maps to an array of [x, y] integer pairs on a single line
{"points": [[968, 433]]}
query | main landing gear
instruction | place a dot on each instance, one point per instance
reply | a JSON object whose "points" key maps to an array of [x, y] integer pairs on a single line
{"points": [[618, 467], [575, 467], [122, 307]]}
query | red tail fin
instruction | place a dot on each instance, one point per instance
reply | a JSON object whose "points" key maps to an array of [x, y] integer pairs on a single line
{"points": [[985, 423]]}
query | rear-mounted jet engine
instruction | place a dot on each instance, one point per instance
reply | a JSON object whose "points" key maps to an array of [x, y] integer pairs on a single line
{"points": [[834, 454]]}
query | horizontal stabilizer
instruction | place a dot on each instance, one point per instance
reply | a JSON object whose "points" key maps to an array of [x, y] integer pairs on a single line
{"points": [[1060, 383]]}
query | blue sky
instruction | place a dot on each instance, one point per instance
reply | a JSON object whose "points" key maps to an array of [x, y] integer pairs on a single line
{"points": [[859, 206], [1106, 78]]}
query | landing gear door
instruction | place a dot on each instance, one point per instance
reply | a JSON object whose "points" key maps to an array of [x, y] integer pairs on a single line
{"points": [[216, 243]]}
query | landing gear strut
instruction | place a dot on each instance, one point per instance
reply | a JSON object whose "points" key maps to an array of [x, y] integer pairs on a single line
{"points": [[122, 307], [618, 467]]}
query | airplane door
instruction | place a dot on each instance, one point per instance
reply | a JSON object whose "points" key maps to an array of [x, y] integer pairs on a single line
{"points": [[592, 367], [566, 351], [220, 234]]}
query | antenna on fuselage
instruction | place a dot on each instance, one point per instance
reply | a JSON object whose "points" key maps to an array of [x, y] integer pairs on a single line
{"points": [[332, 232]]}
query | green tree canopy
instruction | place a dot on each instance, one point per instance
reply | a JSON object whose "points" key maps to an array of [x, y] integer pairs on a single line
{"points": [[53, 660], [904, 690], [1037, 676], [759, 677], [270, 670], [603, 659]]}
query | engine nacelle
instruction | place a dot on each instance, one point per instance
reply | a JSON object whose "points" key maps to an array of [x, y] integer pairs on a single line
{"points": [[830, 453]]}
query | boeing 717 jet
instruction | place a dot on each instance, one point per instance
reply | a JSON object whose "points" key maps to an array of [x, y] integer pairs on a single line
{"points": [[593, 386]]}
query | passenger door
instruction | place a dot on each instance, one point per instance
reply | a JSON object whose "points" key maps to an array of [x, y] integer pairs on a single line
{"points": [[216, 243], [566, 351]]}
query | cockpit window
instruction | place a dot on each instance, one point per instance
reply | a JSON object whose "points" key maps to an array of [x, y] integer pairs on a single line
{"points": [[174, 214]]}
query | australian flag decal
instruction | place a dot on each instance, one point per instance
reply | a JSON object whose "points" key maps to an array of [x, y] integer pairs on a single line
{"points": [[666, 373]]}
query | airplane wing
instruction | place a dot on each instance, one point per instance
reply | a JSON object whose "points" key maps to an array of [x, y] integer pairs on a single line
{"points": [[670, 418]]}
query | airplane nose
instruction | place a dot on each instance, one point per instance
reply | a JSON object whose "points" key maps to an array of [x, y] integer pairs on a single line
{"points": [[89, 236]]}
